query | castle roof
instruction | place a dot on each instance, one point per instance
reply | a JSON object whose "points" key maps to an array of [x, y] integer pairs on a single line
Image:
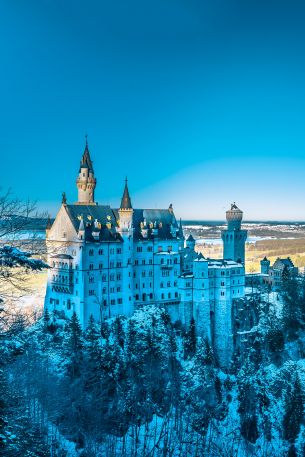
{"points": [[103, 214], [160, 219], [106, 217], [281, 263]]}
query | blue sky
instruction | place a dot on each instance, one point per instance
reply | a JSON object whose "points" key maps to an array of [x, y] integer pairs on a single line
{"points": [[199, 103]]}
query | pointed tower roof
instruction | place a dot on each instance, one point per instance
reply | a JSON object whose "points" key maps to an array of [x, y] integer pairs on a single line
{"points": [[180, 229], [126, 201], [86, 161], [81, 225], [191, 238]]}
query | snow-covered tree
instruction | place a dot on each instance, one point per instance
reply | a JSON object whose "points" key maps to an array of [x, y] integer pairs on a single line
{"points": [[294, 409], [190, 340]]}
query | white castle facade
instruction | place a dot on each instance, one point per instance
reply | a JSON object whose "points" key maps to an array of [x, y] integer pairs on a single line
{"points": [[107, 262]]}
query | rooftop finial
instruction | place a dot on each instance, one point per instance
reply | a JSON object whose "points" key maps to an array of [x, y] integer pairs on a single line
{"points": [[86, 138], [64, 198]]}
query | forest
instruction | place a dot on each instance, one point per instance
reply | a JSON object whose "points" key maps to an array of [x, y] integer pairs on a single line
{"points": [[146, 386]]}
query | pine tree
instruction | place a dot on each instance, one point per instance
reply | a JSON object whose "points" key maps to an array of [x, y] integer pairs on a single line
{"points": [[292, 319], [190, 341], [204, 360], [131, 339], [92, 335], [302, 298], [294, 410], [46, 319], [275, 340], [74, 346], [118, 330]]}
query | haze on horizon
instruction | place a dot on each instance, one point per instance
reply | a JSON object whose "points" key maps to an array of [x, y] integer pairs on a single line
{"points": [[199, 103]]}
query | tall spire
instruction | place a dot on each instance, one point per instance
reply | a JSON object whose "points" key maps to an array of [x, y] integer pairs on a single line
{"points": [[86, 161], [86, 181], [126, 201], [180, 229]]}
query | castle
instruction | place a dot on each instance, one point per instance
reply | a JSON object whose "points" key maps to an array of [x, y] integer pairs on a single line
{"points": [[109, 261]]}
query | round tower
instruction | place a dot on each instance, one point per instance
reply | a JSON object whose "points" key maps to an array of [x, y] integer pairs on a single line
{"points": [[234, 238], [234, 217], [86, 181]]}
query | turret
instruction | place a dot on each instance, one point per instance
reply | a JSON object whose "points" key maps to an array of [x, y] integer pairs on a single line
{"points": [[265, 266], [234, 238], [190, 242], [125, 211], [86, 181]]}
